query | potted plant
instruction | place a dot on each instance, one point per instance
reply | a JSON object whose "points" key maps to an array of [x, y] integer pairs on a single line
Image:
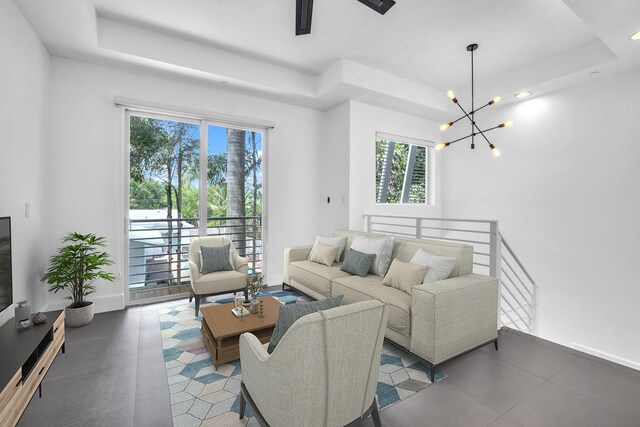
{"points": [[255, 288], [75, 268]]}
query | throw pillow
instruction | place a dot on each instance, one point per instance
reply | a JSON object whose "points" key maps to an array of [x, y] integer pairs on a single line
{"points": [[357, 263], [382, 247], [214, 259], [290, 313], [440, 267], [341, 242], [324, 254], [404, 275]]}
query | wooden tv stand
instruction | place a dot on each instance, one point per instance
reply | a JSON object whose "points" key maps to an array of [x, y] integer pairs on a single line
{"points": [[26, 357]]}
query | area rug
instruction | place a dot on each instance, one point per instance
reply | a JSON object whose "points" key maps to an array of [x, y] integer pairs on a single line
{"points": [[204, 396]]}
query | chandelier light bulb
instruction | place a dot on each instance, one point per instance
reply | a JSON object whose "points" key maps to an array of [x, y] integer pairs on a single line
{"points": [[506, 124], [635, 36], [446, 126], [451, 94], [494, 150], [441, 145], [495, 100]]}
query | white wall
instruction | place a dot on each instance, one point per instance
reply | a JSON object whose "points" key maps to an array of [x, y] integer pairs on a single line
{"points": [[24, 109], [333, 169], [567, 194], [86, 177], [365, 121]]}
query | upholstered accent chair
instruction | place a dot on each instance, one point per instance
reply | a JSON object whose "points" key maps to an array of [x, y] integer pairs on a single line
{"points": [[323, 372], [220, 282]]}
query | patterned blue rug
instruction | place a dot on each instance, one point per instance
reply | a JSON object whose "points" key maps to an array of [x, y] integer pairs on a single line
{"points": [[204, 396]]}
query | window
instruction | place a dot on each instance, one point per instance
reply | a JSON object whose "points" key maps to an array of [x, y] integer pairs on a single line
{"points": [[403, 170], [188, 178]]}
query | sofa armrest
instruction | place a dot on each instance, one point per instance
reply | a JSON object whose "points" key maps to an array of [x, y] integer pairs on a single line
{"points": [[293, 254], [239, 261], [451, 316], [194, 273], [244, 268]]}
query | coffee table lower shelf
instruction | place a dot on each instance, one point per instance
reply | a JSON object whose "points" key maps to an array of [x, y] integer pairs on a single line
{"points": [[227, 349]]}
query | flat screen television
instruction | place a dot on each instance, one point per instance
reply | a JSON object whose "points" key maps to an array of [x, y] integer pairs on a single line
{"points": [[6, 289]]}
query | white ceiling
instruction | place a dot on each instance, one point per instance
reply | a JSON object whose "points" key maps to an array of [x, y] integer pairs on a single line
{"points": [[418, 46]]}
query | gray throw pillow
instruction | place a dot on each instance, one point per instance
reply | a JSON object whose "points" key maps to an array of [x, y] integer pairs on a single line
{"points": [[215, 259], [357, 263], [290, 313]]}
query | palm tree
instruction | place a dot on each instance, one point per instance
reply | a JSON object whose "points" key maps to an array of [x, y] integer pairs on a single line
{"points": [[235, 186]]}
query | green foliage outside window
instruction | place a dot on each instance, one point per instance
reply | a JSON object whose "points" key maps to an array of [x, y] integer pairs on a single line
{"points": [[392, 173]]}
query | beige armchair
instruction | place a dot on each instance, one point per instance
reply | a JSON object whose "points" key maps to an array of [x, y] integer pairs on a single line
{"points": [[324, 371], [220, 282]]}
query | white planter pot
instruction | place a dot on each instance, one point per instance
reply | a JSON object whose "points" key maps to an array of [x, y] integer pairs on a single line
{"points": [[76, 317]]}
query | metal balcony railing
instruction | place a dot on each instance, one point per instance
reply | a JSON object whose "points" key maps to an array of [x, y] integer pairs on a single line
{"points": [[518, 299], [159, 251]]}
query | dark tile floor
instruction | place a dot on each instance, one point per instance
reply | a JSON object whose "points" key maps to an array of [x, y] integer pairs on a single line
{"points": [[113, 375]]}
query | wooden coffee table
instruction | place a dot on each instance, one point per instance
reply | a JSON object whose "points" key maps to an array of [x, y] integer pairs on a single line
{"points": [[221, 330]]}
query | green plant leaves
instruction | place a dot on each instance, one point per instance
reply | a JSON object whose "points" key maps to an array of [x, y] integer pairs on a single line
{"points": [[78, 265]]}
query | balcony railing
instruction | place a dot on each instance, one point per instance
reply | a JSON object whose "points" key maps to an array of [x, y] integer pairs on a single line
{"points": [[159, 251], [518, 293]]}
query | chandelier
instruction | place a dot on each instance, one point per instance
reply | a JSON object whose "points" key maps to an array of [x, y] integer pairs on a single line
{"points": [[475, 129]]}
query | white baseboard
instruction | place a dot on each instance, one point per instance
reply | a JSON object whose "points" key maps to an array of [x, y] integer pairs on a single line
{"points": [[102, 304], [606, 356]]}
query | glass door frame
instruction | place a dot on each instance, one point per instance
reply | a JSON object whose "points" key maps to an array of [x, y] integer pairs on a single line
{"points": [[204, 123]]}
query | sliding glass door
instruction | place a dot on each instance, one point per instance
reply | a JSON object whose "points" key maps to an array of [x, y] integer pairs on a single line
{"points": [[188, 178]]}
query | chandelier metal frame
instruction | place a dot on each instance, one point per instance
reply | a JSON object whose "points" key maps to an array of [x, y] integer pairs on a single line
{"points": [[475, 129]]}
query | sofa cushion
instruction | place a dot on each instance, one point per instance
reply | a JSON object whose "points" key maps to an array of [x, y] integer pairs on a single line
{"points": [[324, 254], [440, 267], [315, 276], [214, 259], [405, 248], [340, 242], [290, 313], [382, 247], [357, 263], [356, 289], [220, 281], [404, 275]]}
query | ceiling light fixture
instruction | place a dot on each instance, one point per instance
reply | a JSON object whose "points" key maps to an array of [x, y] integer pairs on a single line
{"points": [[635, 36], [522, 94], [475, 130]]}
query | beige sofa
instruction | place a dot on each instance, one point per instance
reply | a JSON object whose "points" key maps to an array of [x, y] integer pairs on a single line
{"points": [[437, 322]]}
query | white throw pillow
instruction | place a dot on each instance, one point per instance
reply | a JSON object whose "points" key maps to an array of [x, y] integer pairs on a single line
{"points": [[382, 247], [341, 242], [440, 267], [324, 254]]}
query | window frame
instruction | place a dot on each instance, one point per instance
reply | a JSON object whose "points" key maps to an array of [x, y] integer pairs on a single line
{"points": [[430, 174]]}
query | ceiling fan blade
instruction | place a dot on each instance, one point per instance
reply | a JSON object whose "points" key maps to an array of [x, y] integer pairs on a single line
{"points": [[380, 6], [304, 10]]}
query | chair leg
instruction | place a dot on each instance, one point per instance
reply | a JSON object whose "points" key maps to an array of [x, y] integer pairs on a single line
{"points": [[375, 415], [433, 373], [283, 285], [197, 304], [495, 343], [191, 296], [242, 404]]}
